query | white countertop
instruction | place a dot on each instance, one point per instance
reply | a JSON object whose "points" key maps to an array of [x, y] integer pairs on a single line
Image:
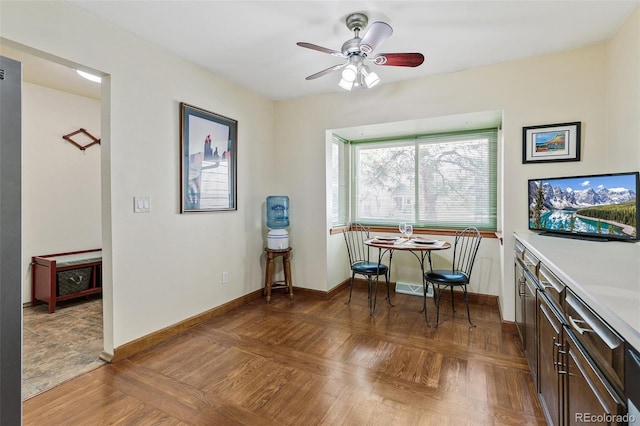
{"points": [[606, 275]]}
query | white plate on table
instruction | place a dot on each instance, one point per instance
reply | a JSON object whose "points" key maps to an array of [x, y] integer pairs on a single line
{"points": [[423, 241], [386, 238]]}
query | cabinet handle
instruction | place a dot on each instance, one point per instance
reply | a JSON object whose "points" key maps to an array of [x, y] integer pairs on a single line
{"points": [[545, 284], [521, 291], [556, 353], [579, 329], [556, 357]]}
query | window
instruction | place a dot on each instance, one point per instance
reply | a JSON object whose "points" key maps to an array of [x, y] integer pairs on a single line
{"points": [[339, 198], [435, 181]]}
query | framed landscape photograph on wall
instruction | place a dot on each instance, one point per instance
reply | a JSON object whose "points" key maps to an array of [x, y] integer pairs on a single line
{"points": [[551, 142], [208, 144]]}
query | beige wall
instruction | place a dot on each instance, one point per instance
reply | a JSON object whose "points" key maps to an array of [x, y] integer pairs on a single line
{"points": [[623, 96], [60, 183], [568, 86], [597, 85], [161, 267]]}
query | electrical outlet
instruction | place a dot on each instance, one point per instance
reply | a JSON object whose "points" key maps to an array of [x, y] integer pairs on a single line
{"points": [[225, 277]]}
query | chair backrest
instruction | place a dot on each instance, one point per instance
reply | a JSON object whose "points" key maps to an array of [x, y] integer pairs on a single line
{"points": [[465, 249], [355, 235]]}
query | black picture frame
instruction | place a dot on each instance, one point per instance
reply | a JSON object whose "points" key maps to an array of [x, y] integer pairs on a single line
{"points": [[208, 167], [551, 143]]}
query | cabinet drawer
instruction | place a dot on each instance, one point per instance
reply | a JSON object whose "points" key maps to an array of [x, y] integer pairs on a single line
{"points": [[589, 395], [518, 250], [601, 342], [551, 285], [531, 262]]}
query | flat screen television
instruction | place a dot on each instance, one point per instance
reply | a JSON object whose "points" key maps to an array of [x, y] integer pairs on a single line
{"points": [[595, 207]]}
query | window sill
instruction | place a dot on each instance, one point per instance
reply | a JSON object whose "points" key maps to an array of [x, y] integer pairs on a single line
{"points": [[416, 231]]}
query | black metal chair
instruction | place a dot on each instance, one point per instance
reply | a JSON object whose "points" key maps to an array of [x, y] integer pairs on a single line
{"points": [[355, 236], [465, 248]]}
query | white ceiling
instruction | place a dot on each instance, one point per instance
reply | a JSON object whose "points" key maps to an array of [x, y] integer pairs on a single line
{"points": [[254, 42], [44, 70]]}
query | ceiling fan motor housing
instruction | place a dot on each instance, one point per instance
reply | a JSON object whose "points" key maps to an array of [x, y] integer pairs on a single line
{"points": [[351, 47], [357, 21]]}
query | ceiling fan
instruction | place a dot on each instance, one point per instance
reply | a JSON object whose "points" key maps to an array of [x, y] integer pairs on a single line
{"points": [[356, 50]]}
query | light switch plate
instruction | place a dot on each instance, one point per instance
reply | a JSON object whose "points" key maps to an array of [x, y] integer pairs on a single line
{"points": [[141, 205]]}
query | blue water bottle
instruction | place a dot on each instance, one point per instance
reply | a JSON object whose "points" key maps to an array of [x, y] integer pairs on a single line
{"points": [[277, 211], [277, 221]]}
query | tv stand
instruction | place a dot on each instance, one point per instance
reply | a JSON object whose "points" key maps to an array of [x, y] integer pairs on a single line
{"points": [[574, 236]]}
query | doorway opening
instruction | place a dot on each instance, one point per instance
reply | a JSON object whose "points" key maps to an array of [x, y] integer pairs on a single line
{"points": [[62, 212]]}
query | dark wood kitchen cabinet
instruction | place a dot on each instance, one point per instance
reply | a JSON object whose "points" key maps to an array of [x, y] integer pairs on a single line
{"points": [[526, 318], [550, 342], [589, 396], [576, 358]]}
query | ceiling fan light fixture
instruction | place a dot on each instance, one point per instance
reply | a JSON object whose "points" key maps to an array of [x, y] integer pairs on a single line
{"points": [[346, 85], [370, 79], [350, 73]]}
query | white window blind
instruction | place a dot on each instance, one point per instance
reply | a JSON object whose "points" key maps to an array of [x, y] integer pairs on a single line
{"points": [[339, 189], [437, 181]]}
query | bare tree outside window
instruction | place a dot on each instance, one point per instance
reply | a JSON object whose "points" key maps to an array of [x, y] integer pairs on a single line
{"points": [[386, 183], [454, 174]]}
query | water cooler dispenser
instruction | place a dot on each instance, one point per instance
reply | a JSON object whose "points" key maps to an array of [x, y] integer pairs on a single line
{"points": [[277, 221]]}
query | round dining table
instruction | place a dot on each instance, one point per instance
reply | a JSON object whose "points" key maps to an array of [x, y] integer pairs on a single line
{"points": [[420, 247]]}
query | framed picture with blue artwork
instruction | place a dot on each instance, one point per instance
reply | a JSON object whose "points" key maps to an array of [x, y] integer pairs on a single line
{"points": [[551, 142], [208, 146]]}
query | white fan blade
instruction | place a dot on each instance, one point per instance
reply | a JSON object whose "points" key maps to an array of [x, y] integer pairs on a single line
{"points": [[320, 49], [327, 71], [377, 34]]}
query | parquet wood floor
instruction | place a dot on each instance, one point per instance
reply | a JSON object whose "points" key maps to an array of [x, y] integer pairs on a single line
{"points": [[311, 362]]}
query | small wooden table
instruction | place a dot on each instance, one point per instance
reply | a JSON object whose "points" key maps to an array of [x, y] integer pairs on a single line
{"points": [[420, 251], [269, 283]]}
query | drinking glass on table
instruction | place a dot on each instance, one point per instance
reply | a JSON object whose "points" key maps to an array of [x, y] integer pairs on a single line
{"points": [[402, 227], [408, 230]]}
